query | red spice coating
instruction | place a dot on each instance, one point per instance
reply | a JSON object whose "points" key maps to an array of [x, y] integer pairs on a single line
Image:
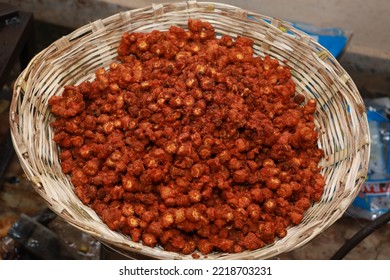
{"points": [[191, 142]]}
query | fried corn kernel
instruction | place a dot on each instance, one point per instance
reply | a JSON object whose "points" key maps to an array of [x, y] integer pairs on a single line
{"points": [[190, 142]]}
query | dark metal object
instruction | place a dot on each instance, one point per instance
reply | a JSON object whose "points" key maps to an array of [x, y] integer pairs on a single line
{"points": [[17, 41], [7, 13], [360, 235], [35, 238], [47, 237], [32, 235], [16, 44]]}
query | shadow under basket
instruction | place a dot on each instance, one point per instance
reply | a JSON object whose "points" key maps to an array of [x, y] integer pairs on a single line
{"points": [[340, 118]]}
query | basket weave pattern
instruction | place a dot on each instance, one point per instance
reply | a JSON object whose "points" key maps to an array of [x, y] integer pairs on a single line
{"points": [[340, 118]]}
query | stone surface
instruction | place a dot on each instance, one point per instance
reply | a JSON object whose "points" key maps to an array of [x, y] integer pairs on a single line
{"points": [[368, 21]]}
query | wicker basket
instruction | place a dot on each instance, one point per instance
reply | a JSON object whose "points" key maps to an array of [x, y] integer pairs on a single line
{"points": [[340, 118]]}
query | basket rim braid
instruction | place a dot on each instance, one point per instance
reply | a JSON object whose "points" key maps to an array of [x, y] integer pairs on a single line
{"points": [[340, 118]]}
